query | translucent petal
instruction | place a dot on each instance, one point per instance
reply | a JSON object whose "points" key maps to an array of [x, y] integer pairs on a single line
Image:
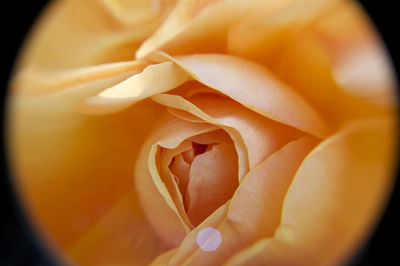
{"points": [[153, 80]]}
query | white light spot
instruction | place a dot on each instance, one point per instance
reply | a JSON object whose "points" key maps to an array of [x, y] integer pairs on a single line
{"points": [[209, 239]]}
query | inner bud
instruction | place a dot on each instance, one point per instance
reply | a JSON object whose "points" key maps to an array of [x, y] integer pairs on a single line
{"points": [[206, 174]]}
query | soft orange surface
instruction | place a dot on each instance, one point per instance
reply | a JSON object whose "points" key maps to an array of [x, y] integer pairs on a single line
{"points": [[133, 125]]}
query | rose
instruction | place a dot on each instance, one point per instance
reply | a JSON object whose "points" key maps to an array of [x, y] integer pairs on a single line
{"points": [[102, 151]]}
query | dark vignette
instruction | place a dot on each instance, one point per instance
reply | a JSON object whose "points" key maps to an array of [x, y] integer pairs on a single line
{"points": [[18, 243]]}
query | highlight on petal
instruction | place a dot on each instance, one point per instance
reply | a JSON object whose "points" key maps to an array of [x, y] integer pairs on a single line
{"points": [[34, 80], [334, 199], [152, 80]]}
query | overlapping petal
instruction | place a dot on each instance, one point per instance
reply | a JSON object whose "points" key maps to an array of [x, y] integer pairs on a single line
{"points": [[253, 86], [62, 158], [87, 32], [333, 199], [268, 183], [160, 196]]}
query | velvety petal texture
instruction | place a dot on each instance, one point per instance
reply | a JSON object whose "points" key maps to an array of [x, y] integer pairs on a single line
{"points": [[203, 132]]}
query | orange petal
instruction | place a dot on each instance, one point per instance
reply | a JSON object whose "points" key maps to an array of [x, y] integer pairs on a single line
{"points": [[189, 245], [181, 169], [201, 26], [334, 199], [34, 80], [213, 180], [79, 33], [253, 86], [267, 35], [153, 80], [122, 236], [261, 136], [309, 64], [171, 222], [361, 66], [180, 103], [254, 210], [162, 161], [56, 152]]}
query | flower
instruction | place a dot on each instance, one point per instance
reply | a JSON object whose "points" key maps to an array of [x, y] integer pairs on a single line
{"points": [[203, 132]]}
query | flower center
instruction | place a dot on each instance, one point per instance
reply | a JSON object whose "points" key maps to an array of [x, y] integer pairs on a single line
{"points": [[206, 174]]}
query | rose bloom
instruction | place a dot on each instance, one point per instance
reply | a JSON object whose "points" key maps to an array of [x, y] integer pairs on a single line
{"points": [[203, 132]]}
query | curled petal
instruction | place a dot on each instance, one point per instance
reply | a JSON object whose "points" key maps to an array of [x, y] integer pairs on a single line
{"points": [[35, 80], [262, 136], [202, 26], [153, 80], [213, 180], [253, 86], [267, 35], [333, 200], [80, 33], [249, 216], [180, 103], [171, 222]]}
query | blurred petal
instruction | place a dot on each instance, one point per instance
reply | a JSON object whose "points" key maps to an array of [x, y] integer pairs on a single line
{"points": [[334, 199], [361, 66], [311, 60], [86, 32], [201, 26], [266, 35], [61, 158], [122, 236]]}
